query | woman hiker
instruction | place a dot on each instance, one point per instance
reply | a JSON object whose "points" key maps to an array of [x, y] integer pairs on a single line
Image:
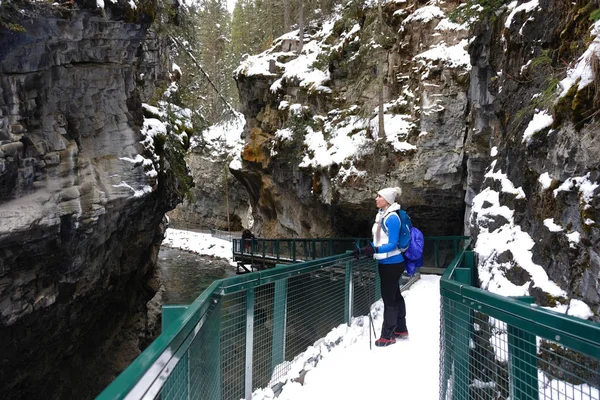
{"points": [[391, 264]]}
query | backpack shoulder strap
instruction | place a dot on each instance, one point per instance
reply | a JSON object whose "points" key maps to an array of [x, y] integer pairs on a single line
{"points": [[385, 219]]}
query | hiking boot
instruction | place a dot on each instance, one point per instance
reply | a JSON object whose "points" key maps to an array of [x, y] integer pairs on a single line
{"points": [[401, 335], [381, 342]]}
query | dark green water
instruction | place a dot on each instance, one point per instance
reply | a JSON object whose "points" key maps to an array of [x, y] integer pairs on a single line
{"points": [[186, 275]]}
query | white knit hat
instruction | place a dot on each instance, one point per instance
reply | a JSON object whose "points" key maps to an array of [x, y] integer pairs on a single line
{"points": [[389, 194]]}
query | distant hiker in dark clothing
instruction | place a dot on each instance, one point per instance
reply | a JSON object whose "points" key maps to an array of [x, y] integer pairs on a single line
{"points": [[391, 264], [247, 237]]}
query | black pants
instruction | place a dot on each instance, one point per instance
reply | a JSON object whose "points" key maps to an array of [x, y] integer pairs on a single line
{"points": [[394, 310]]}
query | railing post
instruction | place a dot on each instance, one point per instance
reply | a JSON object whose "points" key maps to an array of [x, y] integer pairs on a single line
{"points": [[348, 294], [279, 322], [522, 361], [293, 250], [249, 342], [462, 334], [446, 329], [436, 253], [277, 248], [470, 262]]}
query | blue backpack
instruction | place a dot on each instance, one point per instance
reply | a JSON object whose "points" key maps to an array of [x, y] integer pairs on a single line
{"points": [[405, 225], [410, 243]]}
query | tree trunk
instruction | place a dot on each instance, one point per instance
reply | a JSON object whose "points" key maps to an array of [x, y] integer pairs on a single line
{"points": [[380, 72], [301, 26], [286, 15]]}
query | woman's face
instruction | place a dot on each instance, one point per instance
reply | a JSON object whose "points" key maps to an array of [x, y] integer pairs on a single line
{"points": [[380, 202]]}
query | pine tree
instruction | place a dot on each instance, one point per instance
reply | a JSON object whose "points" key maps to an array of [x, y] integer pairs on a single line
{"points": [[212, 47], [211, 42], [244, 29], [301, 25]]}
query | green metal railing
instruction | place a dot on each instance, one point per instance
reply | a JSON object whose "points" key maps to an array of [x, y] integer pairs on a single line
{"points": [[439, 250], [238, 334], [494, 347], [293, 250], [232, 338]]}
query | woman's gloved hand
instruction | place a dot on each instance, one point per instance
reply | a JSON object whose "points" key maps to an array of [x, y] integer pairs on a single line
{"points": [[366, 251]]}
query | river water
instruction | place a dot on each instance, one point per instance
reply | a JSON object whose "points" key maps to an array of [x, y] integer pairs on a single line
{"points": [[186, 275]]}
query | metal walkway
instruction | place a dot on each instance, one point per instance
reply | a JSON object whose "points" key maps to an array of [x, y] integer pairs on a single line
{"points": [[239, 334]]}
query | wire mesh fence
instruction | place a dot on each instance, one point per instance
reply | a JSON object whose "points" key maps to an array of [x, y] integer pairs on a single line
{"points": [[196, 354], [242, 332], [439, 251], [289, 312], [496, 348]]}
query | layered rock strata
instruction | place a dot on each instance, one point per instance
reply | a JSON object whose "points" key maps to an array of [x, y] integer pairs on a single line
{"points": [[534, 144], [80, 213]]}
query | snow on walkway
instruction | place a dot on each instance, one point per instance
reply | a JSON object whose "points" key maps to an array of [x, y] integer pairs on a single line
{"points": [[341, 366]]}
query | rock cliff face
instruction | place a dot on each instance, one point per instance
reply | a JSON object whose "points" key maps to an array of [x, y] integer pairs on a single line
{"points": [[216, 194], [535, 139], [493, 123], [299, 190], [81, 215], [218, 200]]}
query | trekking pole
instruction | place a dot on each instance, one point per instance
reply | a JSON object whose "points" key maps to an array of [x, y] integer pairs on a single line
{"points": [[371, 329], [368, 297], [371, 322]]}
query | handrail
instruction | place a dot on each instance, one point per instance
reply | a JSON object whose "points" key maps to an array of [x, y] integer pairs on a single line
{"points": [[467, 309], [257, 247], [457, 261], [146, 376], [257, 278], [148, 366], [540, 321]]}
